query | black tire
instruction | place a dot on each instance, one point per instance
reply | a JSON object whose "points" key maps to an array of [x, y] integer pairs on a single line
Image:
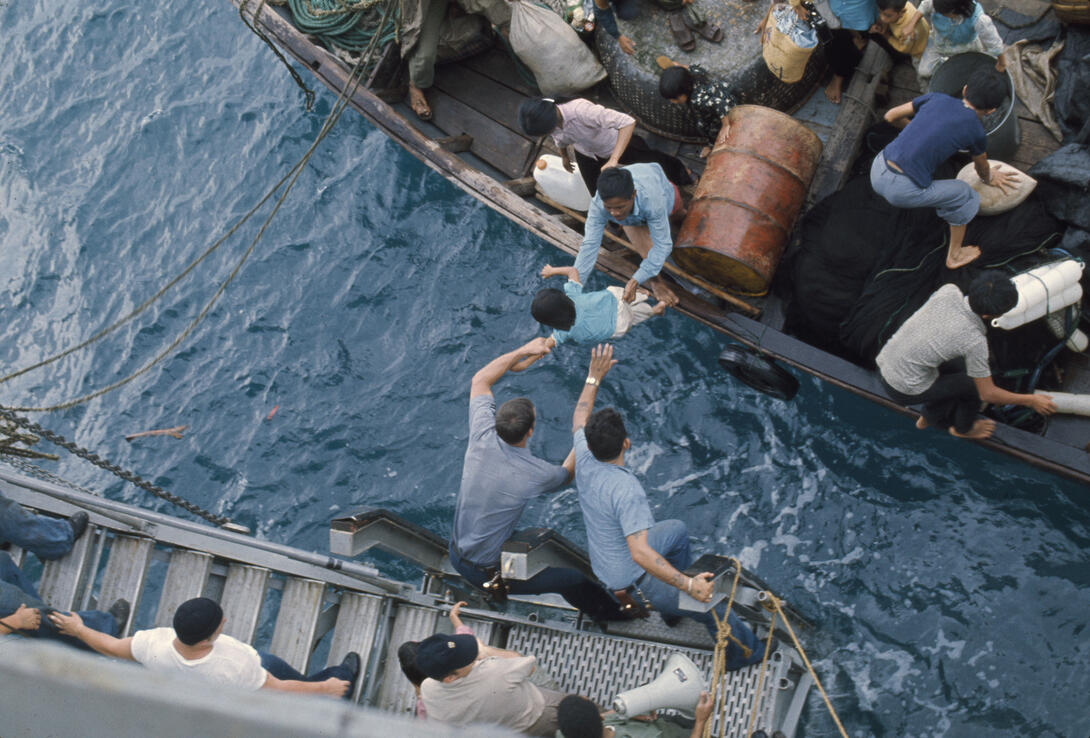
{"points": [[759, 372]]}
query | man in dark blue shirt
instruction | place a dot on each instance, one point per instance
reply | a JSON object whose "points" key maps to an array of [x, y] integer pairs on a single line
{"points": [[938, 126]]}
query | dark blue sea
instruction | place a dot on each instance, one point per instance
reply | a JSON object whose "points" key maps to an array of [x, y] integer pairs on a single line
{"points": [[950, 585]]}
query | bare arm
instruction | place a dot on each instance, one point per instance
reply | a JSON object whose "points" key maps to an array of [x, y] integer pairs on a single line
{"points": [[105, 644], [331, 687], [701, 715], [569, 464], [569, 271], [899, 113], [653, 563], [493, 370], [994, 395], [528, 361], [623, 137], [601, 361]]}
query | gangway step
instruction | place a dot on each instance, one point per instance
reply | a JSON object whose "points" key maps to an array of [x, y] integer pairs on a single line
{"points": [[410, 624], [126, 569], [358, 618], [187, 574], [61, 578], [243, 596], [297, 621]]}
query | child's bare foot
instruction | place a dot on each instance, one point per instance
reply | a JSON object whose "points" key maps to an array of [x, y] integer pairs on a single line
{"points": [[659, 309], [921, 423], [834, 89], [961, 257], [982, 428]]}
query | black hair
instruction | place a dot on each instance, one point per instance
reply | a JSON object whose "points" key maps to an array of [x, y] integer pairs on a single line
{"points": [[537, 116], [964, 8], [992, 294], [615, 182], [578, 717], [986, 89], [674, 82], [554, 309], [897, 5], [406, 655], [605, 433], [514, 419]]}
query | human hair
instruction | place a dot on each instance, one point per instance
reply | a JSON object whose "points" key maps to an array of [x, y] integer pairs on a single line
{"points": [[406, 656], [986, 89], [615, 182], [605, 433], [992, 294], [537, 116], [964, 8], [578, 717], [675, 82], [897, 5], [514, 419], [553, 308]]}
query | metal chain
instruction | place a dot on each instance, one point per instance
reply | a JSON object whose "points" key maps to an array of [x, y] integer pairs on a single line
{"points": [[46, 476], [114, 469]]}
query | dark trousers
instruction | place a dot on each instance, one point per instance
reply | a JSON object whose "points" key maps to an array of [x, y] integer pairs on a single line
{"points": [[283, 670], [637, 152], [951, 401], [580, 592]]}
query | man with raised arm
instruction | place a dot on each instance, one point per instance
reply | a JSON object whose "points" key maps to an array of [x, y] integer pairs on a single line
{"points": [[637, 558], [499, 477], [196, 645]]}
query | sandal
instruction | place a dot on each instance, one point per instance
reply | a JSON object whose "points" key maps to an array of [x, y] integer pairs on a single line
{"points": [[695, 20], [683, 37]]}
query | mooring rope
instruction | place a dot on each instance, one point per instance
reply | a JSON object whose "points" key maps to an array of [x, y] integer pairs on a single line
{"points": [[308, 93]]}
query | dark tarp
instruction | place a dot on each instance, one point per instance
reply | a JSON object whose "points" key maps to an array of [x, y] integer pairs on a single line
{"points": [[1072, 100], [1063, 182]]}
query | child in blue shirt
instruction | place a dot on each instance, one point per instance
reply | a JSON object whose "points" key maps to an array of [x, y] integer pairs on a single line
{"points": [[587, 317]]}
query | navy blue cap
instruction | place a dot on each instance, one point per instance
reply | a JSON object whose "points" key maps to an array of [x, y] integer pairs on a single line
{"points": [[440, 654]]}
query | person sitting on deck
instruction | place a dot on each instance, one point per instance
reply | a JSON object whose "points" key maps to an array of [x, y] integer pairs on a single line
{"points": [[625, 10], [709, 100], [949, 329], [895, 30], [938, 126], [22, 610], [642, 201], [499, 477], [196, 645], [45, 537], [639, 559], [469, 682], [957, 26], [579, 718], [601, 138]]}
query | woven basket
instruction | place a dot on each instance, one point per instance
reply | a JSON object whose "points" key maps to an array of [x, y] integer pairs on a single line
{"points": [[1072, 11]]}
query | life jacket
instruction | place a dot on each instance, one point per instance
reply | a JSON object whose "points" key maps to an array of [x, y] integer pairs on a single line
{"points": [[956, 33]]}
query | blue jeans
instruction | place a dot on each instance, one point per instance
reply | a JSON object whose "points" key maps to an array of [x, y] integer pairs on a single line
{"points": [[671, 539], [16, 589], [283, 670], [579, 591], [954, 201], [46, 538]]}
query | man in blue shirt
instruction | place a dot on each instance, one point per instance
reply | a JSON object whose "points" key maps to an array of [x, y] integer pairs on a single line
{"points": [[938, 126], [641, 199], [499, 477], [629, 552]]}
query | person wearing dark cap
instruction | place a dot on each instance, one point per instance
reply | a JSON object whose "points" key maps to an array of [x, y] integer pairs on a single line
{"points": [[578, 717], [45, 537], [600, 137], [196, 645], [641, 200], [469, 683]]}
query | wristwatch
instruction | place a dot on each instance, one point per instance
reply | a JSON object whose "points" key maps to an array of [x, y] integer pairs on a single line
{"points": [[591, 380]]}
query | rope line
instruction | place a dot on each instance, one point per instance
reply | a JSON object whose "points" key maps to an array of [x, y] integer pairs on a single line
{"points": [[308, 93], [761, 675]]}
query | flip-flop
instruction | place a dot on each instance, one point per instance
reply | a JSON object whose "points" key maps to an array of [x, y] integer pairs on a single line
{"points": [[695, 20], [683, 37]]}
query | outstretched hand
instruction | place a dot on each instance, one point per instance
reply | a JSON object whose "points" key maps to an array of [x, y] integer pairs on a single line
{"points": [[1043, 404], [537, 347], [601, 361], [704, 706]]}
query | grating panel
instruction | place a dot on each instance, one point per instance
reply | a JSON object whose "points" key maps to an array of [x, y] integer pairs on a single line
{"points": [[411, 623]]}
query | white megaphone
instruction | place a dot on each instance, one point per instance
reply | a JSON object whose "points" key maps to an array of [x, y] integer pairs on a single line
{"points": [[678, 687]]}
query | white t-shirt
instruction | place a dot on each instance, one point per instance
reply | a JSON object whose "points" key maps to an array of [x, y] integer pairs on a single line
{"points": [[496, 691], [230, 661]]}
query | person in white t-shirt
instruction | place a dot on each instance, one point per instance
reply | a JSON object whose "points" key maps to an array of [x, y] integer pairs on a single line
{"points": [[196, 645]]}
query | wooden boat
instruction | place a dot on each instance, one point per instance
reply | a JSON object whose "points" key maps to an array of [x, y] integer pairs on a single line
{"points": [[473, 141]]}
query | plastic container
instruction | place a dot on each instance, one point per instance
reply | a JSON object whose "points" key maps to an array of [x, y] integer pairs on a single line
{"points": [[1068, 403], [1077, 342], [1043, 290], [1002, 125], [567, 188]]}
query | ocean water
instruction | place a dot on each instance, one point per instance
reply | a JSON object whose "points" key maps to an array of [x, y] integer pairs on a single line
{"points": [[949, 584]]}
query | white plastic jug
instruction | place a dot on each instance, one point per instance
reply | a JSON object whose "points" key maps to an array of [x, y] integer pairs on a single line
{"points": [[567, 188]]}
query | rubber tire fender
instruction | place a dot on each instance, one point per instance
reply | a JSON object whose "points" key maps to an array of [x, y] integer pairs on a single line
{"points": [[759, 372]]}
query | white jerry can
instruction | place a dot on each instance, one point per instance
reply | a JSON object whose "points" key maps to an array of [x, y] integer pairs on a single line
{"points": [[566, 188]]}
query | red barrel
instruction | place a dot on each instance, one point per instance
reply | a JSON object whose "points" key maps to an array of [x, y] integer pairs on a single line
{"points": [[746, 203]]}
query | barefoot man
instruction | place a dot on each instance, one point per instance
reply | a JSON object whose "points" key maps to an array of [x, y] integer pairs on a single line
{"points": [[937, 126], [949, 328]]}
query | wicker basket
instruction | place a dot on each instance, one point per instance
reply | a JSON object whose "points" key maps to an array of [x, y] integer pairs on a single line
{"points": [[1072, 11]]}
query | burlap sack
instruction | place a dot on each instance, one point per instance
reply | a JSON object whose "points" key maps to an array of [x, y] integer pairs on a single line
{"points": [[993, 200]]}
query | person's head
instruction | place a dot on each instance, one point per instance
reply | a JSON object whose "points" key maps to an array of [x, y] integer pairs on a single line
{"points": [[617, 190], [406, 656], [554, 309], [446, 658], [578, 717], [538, 116], [606, 434], [991, 294], [955, 8], [515, 420], [890, 10], [676, 84], [196, 620], [985, 90]]}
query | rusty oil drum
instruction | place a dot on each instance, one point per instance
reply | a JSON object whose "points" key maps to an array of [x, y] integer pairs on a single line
{"points": [[746, 203]]}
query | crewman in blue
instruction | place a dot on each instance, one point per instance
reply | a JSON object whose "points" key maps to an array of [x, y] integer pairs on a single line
{"points": [[642, 200]]}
